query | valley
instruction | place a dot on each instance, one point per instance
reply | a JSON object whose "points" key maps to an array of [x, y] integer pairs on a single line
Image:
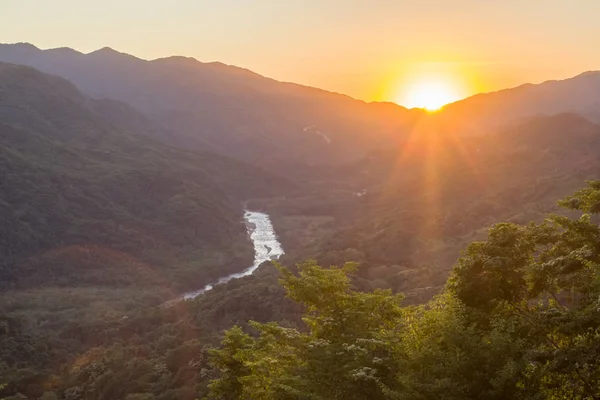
{"points": [[126, 184], [266, 248]]}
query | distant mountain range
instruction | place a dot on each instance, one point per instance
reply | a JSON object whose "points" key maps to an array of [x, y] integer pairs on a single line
{"points": [[226, 109], [236, 112], [488, 111]]}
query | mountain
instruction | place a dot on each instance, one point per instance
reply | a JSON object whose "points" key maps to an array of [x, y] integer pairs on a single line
{"points": [[87, 201], [236, 112], [101, 223], [486, 112], [406, 213]]}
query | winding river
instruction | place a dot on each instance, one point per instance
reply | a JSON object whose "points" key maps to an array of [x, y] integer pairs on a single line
{"points": [[266, 247]]}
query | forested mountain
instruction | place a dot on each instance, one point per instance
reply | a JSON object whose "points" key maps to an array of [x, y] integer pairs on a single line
{"points": [[406, 213], [79, 188], [101, 222], [486, 112], [236, 112], [213, 106]]}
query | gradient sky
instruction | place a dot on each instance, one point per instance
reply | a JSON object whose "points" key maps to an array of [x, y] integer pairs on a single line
{"points": [[369, 49]]}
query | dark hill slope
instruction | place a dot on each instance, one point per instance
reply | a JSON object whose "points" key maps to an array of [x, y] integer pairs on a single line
{"points": [[71, 179], [487, 111], [406, 213], [217, 106]]}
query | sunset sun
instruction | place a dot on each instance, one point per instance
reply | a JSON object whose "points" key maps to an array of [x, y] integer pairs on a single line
{"points": [[430, 95]]}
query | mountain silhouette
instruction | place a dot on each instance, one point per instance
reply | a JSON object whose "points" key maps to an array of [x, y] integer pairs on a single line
{"points": [[487, 111], [227, 109]]}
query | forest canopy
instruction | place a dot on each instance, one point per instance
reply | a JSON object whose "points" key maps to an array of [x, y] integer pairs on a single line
{"points": [[519, 319]]}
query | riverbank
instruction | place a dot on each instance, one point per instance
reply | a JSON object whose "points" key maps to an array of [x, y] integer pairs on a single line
{"points": [[266, 247]]}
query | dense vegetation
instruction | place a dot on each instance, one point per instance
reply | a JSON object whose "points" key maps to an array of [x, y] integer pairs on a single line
{"points": [[519, 320], [405, 214], [79, 192], [101, 223], [111, 344]]}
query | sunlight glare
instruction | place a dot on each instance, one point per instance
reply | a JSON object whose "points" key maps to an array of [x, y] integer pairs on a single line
{"points": [[430, 95]]}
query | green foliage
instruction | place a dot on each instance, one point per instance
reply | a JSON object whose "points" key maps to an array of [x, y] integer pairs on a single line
{"points": [[341, 356], [519, 320], [228, 359], [489, 271], [586, 199], [547, 286], [365, 345]]}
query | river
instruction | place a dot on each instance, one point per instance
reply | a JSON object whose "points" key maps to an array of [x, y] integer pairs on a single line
{"points": [[266, 247]]}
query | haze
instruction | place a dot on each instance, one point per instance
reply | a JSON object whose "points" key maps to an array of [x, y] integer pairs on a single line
{"points": [[179, 220], [367, 49]]}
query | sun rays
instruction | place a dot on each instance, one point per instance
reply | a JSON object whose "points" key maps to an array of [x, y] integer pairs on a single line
{"points": [[429, 94]]}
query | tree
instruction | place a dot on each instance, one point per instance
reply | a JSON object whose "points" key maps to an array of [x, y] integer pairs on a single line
{"points": [[519, 319], [230, 361], [544, 279], [345, 353]]}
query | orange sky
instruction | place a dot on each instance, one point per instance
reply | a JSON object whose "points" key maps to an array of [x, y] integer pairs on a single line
{"points": [[369, 49]]}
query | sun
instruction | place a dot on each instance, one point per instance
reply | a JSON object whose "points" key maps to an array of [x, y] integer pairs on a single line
{"points": [[430, 95]]}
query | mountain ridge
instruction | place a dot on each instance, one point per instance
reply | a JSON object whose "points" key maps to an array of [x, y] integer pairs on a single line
{"points": [[578, 94], [109, 50], [239, 112]]}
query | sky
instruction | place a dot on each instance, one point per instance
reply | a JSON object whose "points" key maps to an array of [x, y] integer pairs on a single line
{"points": [[375, 50]]}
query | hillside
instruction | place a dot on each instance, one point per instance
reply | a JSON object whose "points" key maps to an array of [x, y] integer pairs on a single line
{"points": [[442, 185], [77, 189], [486, 112], [101, 222], [213, 106], [406, 213]]}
